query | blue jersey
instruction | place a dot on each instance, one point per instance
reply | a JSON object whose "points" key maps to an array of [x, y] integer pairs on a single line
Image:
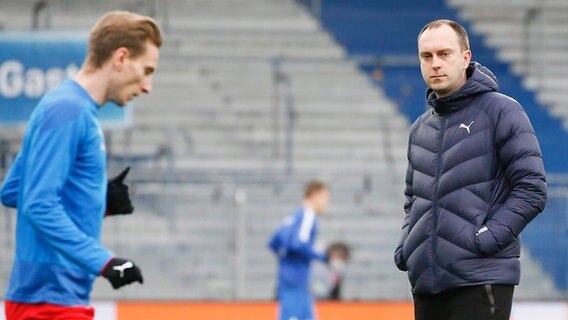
{"points": [[293, 243], [58, 183]]}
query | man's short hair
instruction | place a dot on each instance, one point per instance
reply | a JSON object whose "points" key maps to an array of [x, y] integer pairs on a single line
{"points": [[118, 29], [313, 187], [339, 247], [463, 38]]}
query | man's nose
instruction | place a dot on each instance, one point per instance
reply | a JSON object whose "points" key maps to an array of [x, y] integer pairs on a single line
{"points": [[147, 86], [436, 62]]}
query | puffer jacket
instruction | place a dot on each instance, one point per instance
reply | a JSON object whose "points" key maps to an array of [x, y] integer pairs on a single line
{"points": [[475, 179]]}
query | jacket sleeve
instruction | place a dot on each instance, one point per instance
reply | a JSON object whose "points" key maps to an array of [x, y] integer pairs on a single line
{"points": [[398, 259], [53, 146], [520, 160], [301, 241], [11, 185]]}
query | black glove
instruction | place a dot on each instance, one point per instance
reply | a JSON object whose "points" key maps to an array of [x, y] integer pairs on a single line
{"points": [[121, 272], [118, 199]]}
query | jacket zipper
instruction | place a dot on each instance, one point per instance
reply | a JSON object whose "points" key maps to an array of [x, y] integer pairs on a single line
{"points": [[436, 196], [492, 305]]}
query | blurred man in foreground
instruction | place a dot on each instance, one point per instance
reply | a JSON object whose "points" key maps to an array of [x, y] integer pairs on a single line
{"points": [[61, 181], [339, 254], [293, 244], [327, 278], [475, 180]]}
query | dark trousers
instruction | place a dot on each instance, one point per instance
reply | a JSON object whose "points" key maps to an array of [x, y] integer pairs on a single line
{"points": [[486, 302]]}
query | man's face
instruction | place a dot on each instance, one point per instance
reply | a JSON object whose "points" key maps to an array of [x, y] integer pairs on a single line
{"points": [[442, 61], [337, 254], [133, 76], [320, 201]]}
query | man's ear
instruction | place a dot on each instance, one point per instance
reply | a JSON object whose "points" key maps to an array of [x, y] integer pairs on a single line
{"points": [[119, 56], [466, 58]]}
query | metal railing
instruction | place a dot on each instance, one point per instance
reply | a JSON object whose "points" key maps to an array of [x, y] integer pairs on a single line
{"points": [[283, 95], [533, 25], [40, 12]]}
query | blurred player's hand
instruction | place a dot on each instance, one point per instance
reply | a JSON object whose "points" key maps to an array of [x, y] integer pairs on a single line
{"points": [[118, 199], [121, 272]]}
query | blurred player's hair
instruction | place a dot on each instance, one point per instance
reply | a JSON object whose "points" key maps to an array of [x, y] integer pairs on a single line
{"points": [[460, 31], [314, 187], [340, 248], [121, 29]]}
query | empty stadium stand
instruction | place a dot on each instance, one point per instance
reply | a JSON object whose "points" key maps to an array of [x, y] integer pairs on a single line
{"points": [[526, 34], [252, 99]]}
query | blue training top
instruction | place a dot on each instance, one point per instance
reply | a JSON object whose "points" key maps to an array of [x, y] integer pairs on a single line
{"points": [[58, 183], [293, 243]]}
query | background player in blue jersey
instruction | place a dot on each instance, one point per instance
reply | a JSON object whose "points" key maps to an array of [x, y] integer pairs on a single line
{"points": [[60, 177], [293, 244]]}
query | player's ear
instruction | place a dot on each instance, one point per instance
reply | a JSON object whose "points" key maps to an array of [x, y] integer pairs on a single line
{"points": [[467, 58], [119, 56]]}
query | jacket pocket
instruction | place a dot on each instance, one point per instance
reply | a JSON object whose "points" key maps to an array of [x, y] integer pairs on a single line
{"points": [[486, 242]]}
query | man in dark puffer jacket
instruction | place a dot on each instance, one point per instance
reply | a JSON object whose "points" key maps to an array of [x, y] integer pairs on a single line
{"points": [[475, 179]]}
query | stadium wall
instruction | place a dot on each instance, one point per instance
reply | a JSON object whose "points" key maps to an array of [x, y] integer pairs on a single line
{"points": [[267, 310]]}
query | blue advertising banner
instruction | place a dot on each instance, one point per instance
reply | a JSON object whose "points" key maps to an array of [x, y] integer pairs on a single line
{"points": [[31, 63]]}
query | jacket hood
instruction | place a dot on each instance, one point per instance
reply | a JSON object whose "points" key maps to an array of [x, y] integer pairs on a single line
{"points": [[479, 80]]}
